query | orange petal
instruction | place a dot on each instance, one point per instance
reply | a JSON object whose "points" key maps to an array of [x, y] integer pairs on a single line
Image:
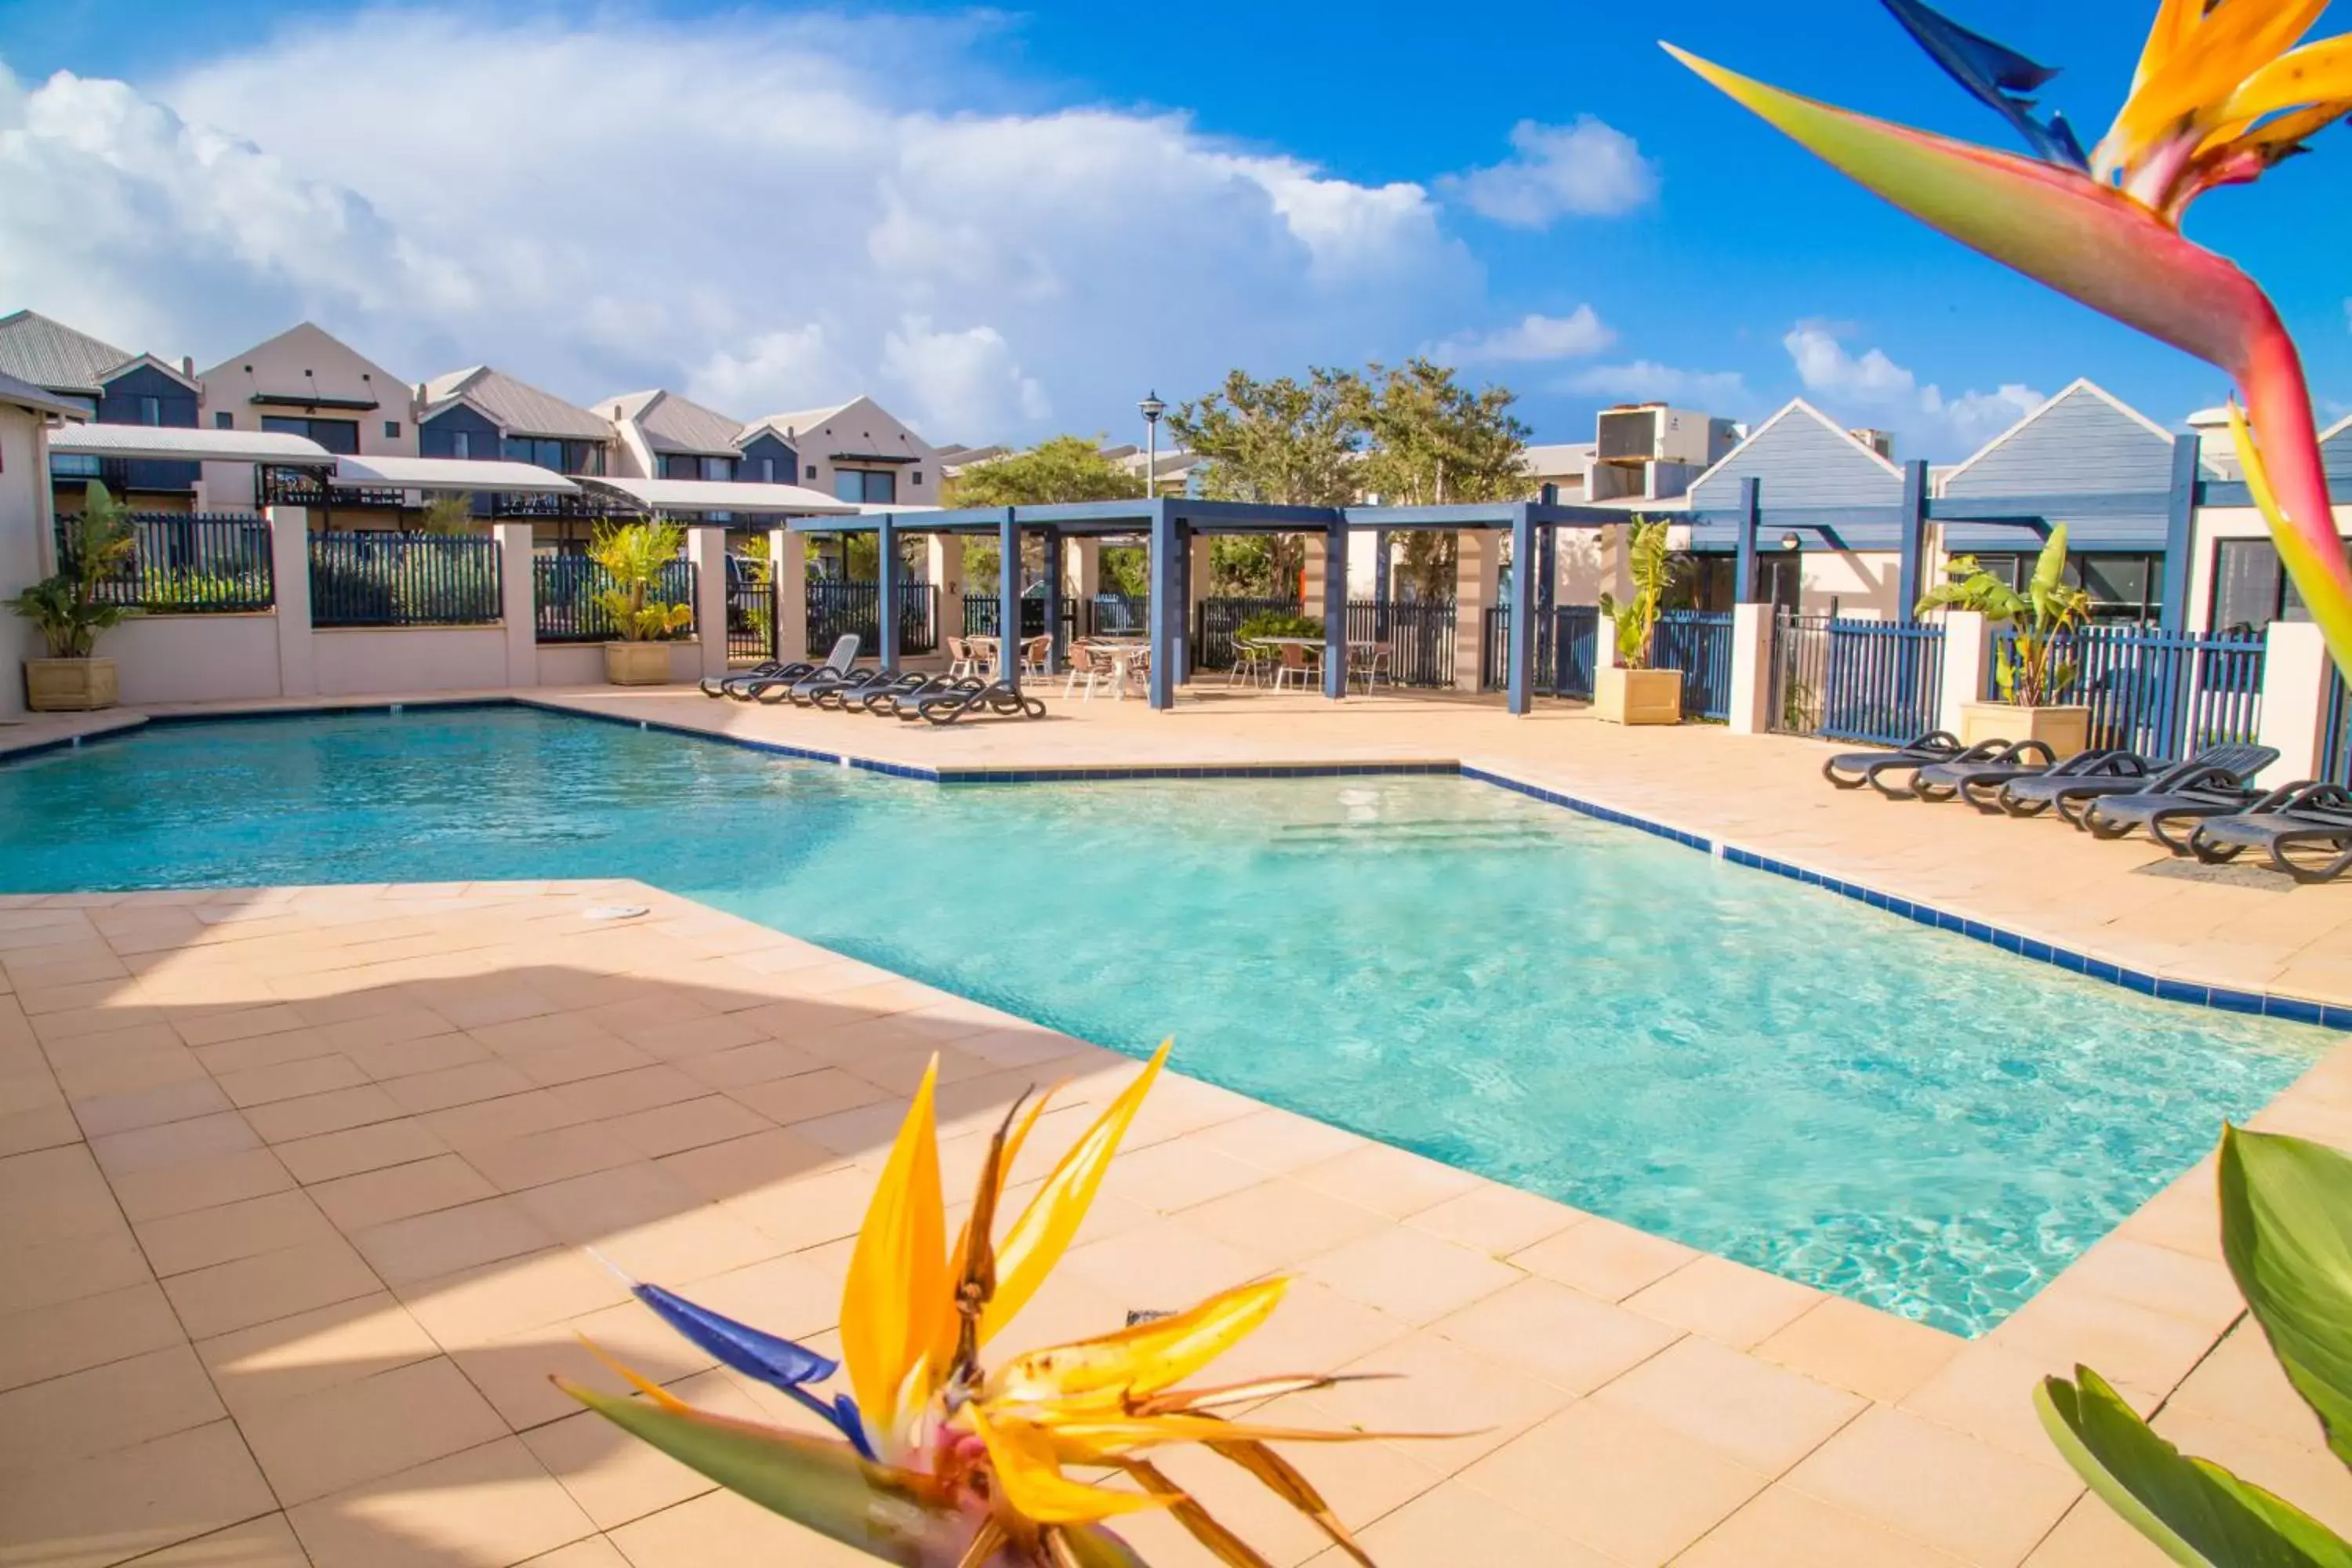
{"points": [[1022, 1459], [897, 1288]]}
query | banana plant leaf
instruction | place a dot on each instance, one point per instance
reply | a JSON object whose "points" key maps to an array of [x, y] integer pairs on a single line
{"points": [[2199, 1514], [2286, 1230]]}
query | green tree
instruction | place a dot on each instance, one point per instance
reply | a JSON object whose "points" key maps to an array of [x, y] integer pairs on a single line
{"points": [[1065, 468], [1432, 441], [1280, 442], [448, 513]]}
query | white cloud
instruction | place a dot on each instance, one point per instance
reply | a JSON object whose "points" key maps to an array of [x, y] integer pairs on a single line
{"points": [[1588, 169], [1723, 392], [1870, 388], [1531, 338], [746, 210]]}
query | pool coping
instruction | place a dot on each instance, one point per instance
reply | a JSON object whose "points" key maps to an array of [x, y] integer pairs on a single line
{"points": [[2018, 944]]}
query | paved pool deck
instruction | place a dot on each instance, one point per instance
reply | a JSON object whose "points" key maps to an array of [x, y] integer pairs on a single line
{"points": [[295, 1185]]}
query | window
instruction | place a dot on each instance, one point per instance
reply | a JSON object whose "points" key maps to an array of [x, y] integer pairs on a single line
{"points": [[915, 478], [718, 471], [767, 470], [224, 420], [812, 473], [870, 487], [2123, 587], [338, 435], [391, 429], [150, 411], [65, 466], [2250, 588], [461, 444], [675, 467]]}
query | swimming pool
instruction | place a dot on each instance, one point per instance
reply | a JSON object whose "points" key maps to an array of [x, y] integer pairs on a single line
{"points": [[1755, 1067]]}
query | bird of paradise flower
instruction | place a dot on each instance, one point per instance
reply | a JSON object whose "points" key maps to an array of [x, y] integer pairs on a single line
{"points": [[2222, 94], [941, 1462]]}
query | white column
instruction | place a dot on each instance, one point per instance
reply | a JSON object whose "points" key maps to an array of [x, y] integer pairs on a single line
{"points": [[1751, 670], [706, 546], [2296, 676], [519, 602], [1082, 567], [1319, 567], [788, 558], [1604, 643], [289, 562], [1968, 656], [943, 569], [1477, 585]]}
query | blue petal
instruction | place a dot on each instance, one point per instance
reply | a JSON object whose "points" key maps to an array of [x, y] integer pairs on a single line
{"points": [[1995, 74], [774, 1361], [852, 1424]]}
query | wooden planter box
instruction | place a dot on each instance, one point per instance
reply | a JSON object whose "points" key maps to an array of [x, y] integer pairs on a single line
{"points": [[69, 685], [2064, 728], [1638, 696], [636, 663]]}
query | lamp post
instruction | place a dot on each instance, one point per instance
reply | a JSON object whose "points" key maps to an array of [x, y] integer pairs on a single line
{"points": [[1153, 409]]}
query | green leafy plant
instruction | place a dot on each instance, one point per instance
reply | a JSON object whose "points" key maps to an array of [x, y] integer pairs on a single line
{"points": [[632, 554], [2031, 667], [65, 606], [447, 514], [1652, 568], [1279, 624], [2286, 1231]]}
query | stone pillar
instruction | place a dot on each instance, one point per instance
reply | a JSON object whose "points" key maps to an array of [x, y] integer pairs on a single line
{"points": [[1319, 567], [290, 561], [1752, 695], [2296, 679], [1082, 575], [788, 562], [1198, 574], [1967, 659], [943, 569], [706, 546], [519, 602], [1478, 584]]}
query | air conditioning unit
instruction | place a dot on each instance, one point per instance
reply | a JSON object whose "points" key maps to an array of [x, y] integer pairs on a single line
{"points": [[1879, 441], [1654, 433]]}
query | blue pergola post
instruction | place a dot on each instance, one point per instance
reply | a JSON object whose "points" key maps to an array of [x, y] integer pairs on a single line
{"points": [[886, 593], [1522, 621], [1008, 600], [1381, 584], [1546, 591], [1180, 656], [1751, 518], [1055, 647], [1167, 605], [2179, 526], [1335, 609], [1915, 536]]}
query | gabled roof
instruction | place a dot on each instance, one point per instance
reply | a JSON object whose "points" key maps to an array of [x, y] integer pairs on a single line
{"points": [[2336, 449], [24, 394], [51, 354], [310, 335], [516, 407], [2080, 385], [800, 421], [149, 361], [674, 424], [1797, 407]]}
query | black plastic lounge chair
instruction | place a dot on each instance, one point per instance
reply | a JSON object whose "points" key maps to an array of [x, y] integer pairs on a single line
{"points": [[815, 691], [2031, 794], [2242, 761], [1878, 772], [766, 669], [905, 684], [890, 700], [1935, 746], [774, 687], [993, 697], [1948, 781], [2299, 815], [2206, 789]]}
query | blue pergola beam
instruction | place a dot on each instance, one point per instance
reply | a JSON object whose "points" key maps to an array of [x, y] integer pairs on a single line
{"points": [[1335, 610], [1166, 605], [1913, 542], [886, 593], [1055, 648], [2180, 527], [1522, 619], [1008, 600]]}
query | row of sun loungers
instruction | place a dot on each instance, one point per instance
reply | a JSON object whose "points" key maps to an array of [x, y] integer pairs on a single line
{"points": [[838, 682], [2206, 806]]}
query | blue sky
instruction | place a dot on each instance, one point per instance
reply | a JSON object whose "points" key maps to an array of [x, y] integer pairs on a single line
{"points": [[1007, 223]]}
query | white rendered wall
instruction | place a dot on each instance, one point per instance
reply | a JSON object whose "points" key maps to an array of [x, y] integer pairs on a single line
{"points": [[25, 552], [195, 659]]}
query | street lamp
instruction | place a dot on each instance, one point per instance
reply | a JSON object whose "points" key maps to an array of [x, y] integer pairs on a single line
{"points": [[1789, 542], [1153, 409]]}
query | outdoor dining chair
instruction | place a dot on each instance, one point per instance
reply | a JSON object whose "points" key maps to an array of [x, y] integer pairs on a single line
{"points": [[1253, 662], [1303, 662], [1368, 660]]}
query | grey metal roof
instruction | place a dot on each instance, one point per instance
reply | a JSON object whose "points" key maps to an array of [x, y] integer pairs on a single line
{"points": [[674, 424], [24, 394], [51, 354], [518, 407]]}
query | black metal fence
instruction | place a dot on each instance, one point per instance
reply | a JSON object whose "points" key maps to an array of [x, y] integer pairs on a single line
{"points": [[1213, 621], [1800, 676], [564, 590], [980, 612], [750, 620], [1418, 633], [837, 609], [1564, 651], [203, 564], [403, 579]]}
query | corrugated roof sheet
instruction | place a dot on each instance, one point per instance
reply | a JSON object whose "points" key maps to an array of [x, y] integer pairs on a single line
{"points": [[50, 353], [166, 441], [519, 407], [674, 424], [450, 474], [709, 495], [24, 394]]}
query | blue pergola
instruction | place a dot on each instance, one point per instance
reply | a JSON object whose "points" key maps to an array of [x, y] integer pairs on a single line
{"points": [[1171, 525]]}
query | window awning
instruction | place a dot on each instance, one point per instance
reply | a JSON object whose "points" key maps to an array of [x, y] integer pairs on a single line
{"points": [[171, 443], [727, 496], [449, 474]]}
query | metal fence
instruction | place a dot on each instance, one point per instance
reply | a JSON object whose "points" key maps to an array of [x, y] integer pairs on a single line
{"points": [[980, 612], [202, 564], [1564, 651], [837, 609], [750, 620], [1881, 680], [1118, 614], [1419, 634], [1800, 672], [564, 590], [1213, 621], [1698, 643], [403, 579], [2160, 693]]}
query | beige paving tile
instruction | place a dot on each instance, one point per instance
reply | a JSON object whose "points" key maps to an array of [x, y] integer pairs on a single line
{"points": [[264, 1542], [305, 1353], [2309, 1477], [1410, 1275], [477, 1305], [719, 1530], [269, 1284], [285, 1121], [1456, 1523], [1727, 1302], [558, 1154], [70, 1336], [1496, 1219], [174, 1143], [741, 1167], [496, 1500], [43, 1127], [50, 1195], [1850, 1346], [1569, 1339], [426, 1245], [613, 1476], [2091, 1536], [806, 1097], [760, 1061], [1986, 1390], [116, 1405], [230, 1231], [466, 1083], [397, 1191], [1783, 1528], [1393, 1182], [1603, 1259], [1760, 1415], [1428, 1384], [201, 1183], [175, 1101], [349, 1432], [1183, 1173], [71, 1268], [109, 1507], [1978, 1503], [1284, 1222], [371, 1148], [688, 1124], [1159, 1267]]}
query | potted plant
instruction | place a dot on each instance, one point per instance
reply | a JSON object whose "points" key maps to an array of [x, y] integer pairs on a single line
{"points": [[66, 609], [1629, 691], [2030, 669], [633, 556]]}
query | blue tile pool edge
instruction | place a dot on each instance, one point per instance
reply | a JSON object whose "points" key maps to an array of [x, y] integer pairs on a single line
{"points": [[2227, 999]]}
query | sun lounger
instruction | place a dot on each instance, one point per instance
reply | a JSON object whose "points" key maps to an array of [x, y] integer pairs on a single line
{"points": [[2074, 797], [1947, 781], [716, 685], [1935, 746], [2302, 816], [1878, 774], [992, 697], [2031, 794], [818, 691], [883, 698], [774, 687], [2205, 789]]}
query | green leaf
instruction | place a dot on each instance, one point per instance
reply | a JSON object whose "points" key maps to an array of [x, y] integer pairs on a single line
{"points": [[2199, 1514], [2287, 1229], [2049, 571]]}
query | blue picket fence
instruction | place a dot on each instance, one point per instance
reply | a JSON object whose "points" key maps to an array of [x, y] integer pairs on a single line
{"points": [[1698, 643], [2160, 693], [1564, 651], [1881, 682], [1119, 614]]}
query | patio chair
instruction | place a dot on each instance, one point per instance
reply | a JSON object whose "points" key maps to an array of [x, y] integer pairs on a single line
{"points": [[964, 657], [863, 698], [2206, 790], [892, 701], [1935, 746], [1974, 780], [1878, 771], [1302, 660], [805, 693], [1254, 661], [1368, 659], [1034, 653], [2240, 761], [1089, 662], [716, 685], [773, 687], [992, 697], [2122, 773], [2301, 815]]}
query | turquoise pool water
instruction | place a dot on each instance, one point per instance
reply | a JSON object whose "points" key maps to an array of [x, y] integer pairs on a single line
{"points": [[1718, 1054]]}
